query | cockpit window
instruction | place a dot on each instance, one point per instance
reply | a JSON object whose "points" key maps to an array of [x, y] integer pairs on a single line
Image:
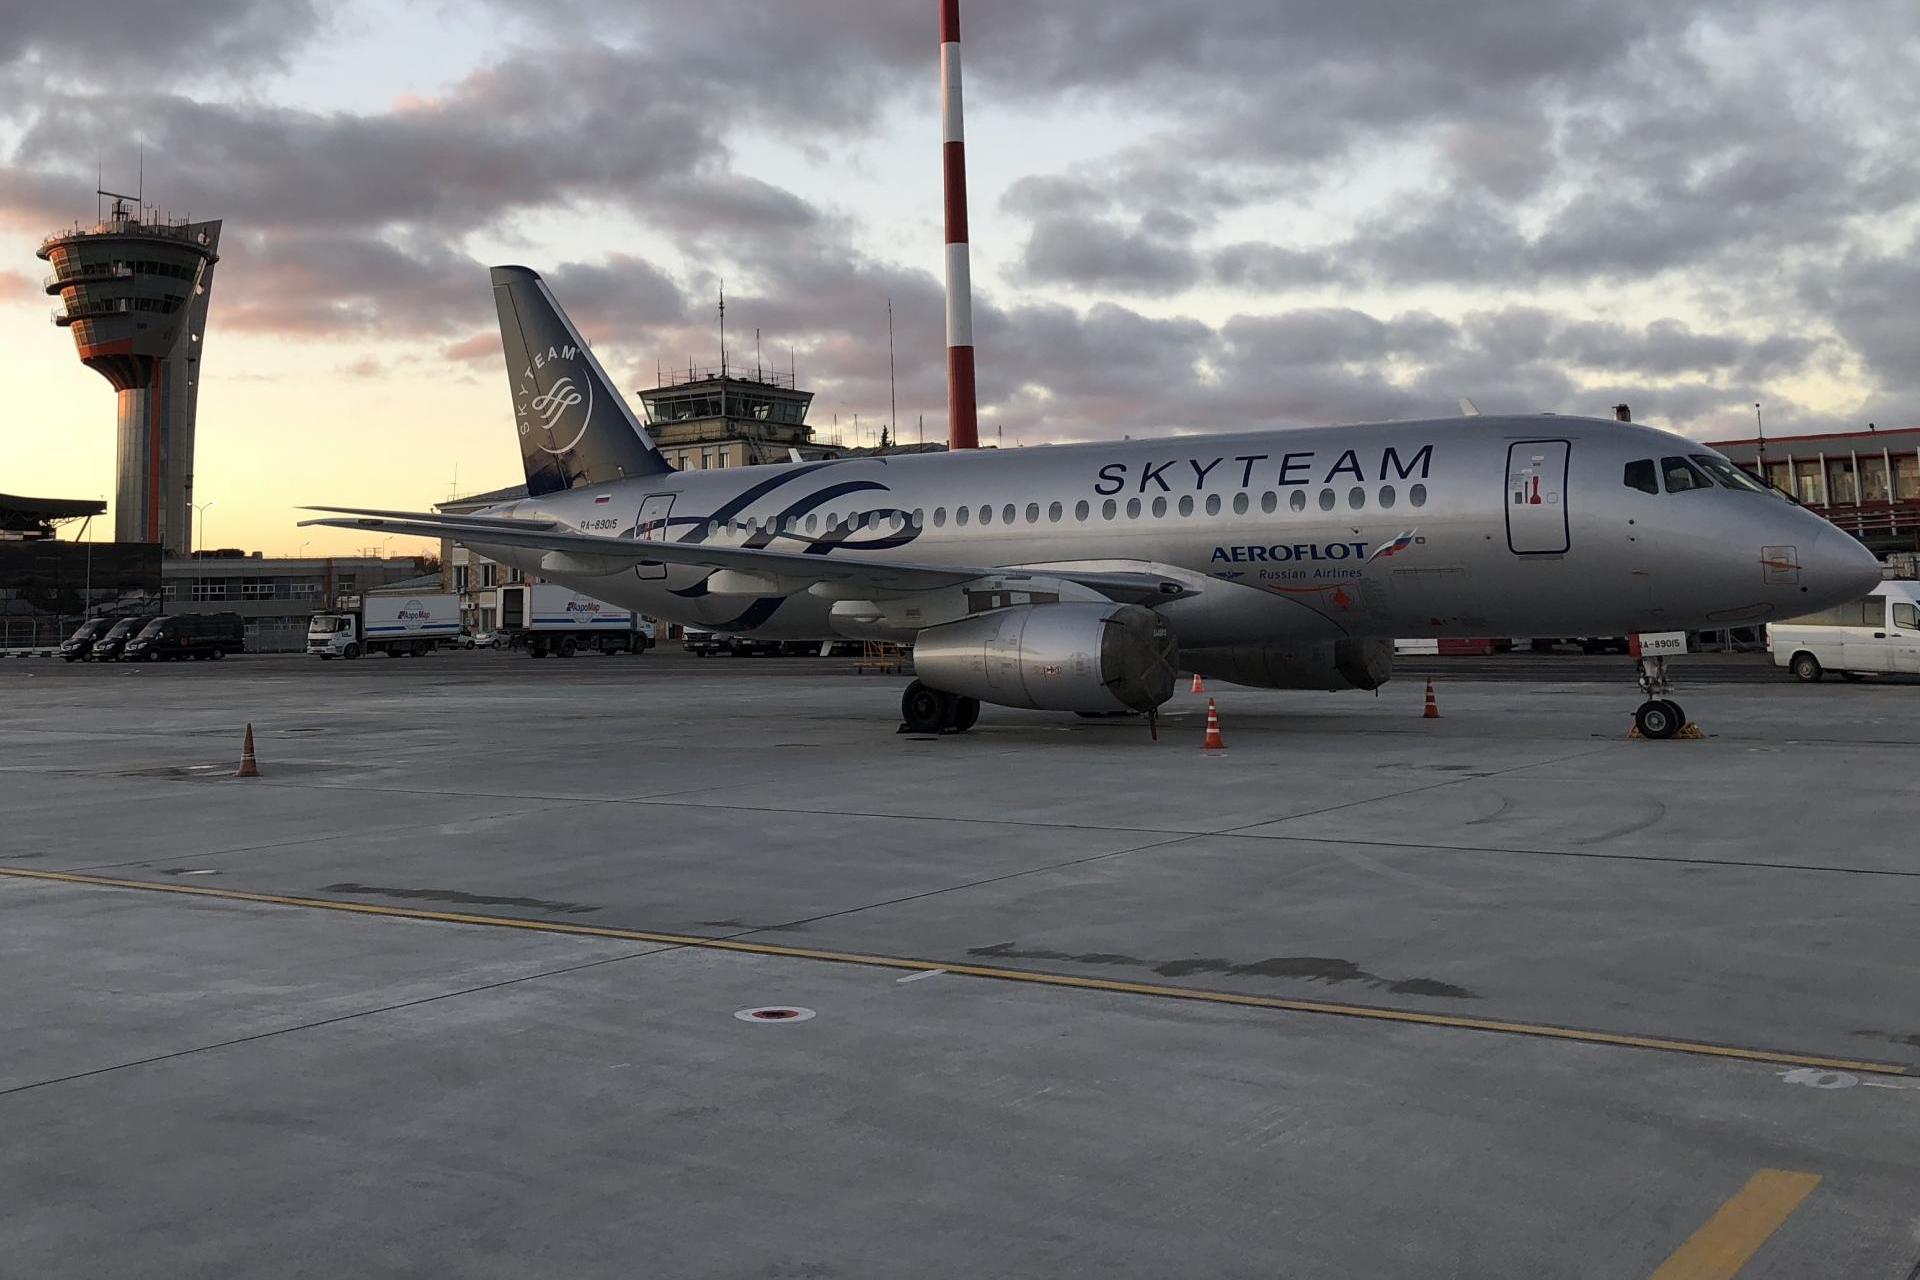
{"points": [[1728, 474], [1682, 475], [1641, 476]]}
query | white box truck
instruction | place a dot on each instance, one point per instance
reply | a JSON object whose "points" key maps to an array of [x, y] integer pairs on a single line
{"points": [[545, 619], [396, 624]]}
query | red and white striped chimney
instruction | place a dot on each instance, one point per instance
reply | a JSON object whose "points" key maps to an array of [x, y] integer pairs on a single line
{"points": [[963, 424]]}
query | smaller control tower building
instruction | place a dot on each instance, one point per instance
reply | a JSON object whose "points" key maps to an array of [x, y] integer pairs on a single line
{"points": [[134, 290]]}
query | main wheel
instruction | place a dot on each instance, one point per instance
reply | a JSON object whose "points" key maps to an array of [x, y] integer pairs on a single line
{"points": [[1657, 719], [925, 710], [218, 653], [966, 713], [351, 651], [394, 651], [569, 647], [1805, 667], [1679, 714]]}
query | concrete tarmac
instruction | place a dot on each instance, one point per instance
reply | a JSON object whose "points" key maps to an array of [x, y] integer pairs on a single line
{"points": [[453, 986]]}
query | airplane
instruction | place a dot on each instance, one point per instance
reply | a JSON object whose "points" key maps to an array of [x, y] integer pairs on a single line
{"points": [[1086, 577]]}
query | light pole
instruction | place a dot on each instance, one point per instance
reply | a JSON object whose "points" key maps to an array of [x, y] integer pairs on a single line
{"points": [[201, 507]]}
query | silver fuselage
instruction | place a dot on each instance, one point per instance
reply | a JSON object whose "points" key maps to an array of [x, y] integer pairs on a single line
{"points": [[1458, 527]]}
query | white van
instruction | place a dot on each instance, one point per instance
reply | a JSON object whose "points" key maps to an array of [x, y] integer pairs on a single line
{"points": [[1877, 633]]}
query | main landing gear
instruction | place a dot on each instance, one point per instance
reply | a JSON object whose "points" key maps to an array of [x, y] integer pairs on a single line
{"points": [[1659, 716], [925, 710]]}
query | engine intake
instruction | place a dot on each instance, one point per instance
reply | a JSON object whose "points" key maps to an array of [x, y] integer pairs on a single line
{"points": [[1054, 657]]}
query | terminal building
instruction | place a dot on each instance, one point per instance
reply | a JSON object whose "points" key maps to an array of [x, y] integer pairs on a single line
{"points": [[1866, 482], [134, 290], [276, 598]]}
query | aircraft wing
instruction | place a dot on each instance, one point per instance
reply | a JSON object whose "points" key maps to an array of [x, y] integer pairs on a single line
{"points": [[586, 554]]}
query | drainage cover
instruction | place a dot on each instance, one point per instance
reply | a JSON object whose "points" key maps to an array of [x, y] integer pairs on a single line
{"points": [[774, 1013]]}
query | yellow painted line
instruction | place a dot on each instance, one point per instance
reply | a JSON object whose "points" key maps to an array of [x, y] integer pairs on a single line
{"points": [[1373, 1013], [1725, 1241]]}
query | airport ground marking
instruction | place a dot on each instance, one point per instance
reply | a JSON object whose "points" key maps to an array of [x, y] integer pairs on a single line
{"points": [[739, 945], [1724, 1243]]}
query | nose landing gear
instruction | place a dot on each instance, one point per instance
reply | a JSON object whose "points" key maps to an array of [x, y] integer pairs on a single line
{"points": [[1658, 717]]}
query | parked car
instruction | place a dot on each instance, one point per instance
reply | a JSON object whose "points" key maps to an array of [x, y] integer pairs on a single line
{"points": [[81, 642], [108, 648], [481, 639], [1878, 634], [188, 635]]}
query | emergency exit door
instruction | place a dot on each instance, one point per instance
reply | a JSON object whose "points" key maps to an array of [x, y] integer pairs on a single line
{"points": [[651, 526], [1537, 497]]}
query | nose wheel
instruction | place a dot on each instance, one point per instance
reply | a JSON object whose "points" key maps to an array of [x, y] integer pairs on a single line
{"points": [[1659, 717]]}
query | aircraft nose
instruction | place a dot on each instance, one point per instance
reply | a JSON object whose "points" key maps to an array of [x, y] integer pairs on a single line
{"points": [[1838, 563]]}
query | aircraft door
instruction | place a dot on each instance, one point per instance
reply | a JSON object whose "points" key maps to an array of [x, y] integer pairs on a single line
{"points": [[651, 526], [1536, 497]]}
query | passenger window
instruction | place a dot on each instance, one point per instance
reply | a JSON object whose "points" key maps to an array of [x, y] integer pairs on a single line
{"points": [[1081, 509], [1033, 512], [1239, 505], [961, 515], [1682, 476], [1875, 610], [1356, 497], [1326, 499], [1640, 475], [939, 517], [1133, 508], [1054, 512], [986, 515], [1417, 496], [1109, 509], [1297, 500], [1159, 507], [1386, 497], [1006, 514], [1906, 617], [1186, 505], [1269, 500]]}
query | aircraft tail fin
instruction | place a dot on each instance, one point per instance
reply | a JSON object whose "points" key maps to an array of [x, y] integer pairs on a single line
{"points": [[575, 429]]}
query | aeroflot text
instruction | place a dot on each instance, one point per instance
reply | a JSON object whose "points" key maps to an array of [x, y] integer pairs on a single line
{"points": [[1297, 551], [1293, 469]]}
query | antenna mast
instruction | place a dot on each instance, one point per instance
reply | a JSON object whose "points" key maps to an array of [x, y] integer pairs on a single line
{"points": [[893, 391], [723, 328]]}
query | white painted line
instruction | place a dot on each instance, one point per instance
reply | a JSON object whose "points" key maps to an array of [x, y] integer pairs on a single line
{"points": [[915, 977]]}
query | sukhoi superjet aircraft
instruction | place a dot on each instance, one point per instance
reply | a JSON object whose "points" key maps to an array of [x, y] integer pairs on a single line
{"points": [[1084, 577]]}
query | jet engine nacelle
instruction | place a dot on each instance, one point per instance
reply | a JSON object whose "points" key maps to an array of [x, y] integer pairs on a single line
{"points": [[1054, 657], [1310, 664]]}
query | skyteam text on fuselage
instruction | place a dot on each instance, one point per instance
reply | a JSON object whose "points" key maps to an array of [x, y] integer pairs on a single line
{"points": [[1083, 577]]}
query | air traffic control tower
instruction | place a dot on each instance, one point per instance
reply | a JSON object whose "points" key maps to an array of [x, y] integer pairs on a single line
{"points": [[134, 290]]}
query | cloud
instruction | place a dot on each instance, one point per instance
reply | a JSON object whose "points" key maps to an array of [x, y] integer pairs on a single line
{"points": [[134, 36]]}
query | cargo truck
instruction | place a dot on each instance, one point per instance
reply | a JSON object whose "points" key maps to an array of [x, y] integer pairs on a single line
{"points": [[544, 619], [396, 625]]}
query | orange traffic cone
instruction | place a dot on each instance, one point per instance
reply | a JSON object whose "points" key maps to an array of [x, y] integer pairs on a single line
{"points": [[1433, 708], [1214, 741], [1199, 685], [248, 769]]}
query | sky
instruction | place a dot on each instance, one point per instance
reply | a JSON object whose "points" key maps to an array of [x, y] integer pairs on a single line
{"points": [[1229, 215]]}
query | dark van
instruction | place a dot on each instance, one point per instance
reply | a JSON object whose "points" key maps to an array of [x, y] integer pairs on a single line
{"points": [[81, 642], [188, 635], [108, 647]]}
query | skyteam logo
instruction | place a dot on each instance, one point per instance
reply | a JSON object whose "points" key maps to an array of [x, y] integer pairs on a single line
{"points": [[561, 411]]}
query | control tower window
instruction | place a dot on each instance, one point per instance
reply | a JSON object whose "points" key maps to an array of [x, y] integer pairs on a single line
{"points": [[1640, 475]]}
